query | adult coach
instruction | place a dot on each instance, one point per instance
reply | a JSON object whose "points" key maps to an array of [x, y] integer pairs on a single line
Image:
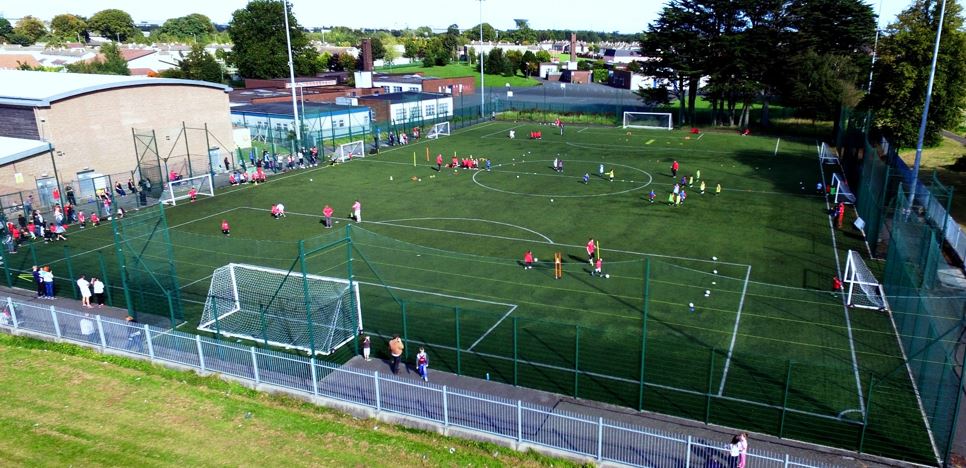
{"points": [[357, 211], [395, 350], [85, 290]]}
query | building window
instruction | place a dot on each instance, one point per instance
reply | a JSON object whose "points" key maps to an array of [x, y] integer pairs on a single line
{"points": [[414, 113], [386, 88], [341, 123], [397, 89], [443, 108], [400, 114], [430, 110]]}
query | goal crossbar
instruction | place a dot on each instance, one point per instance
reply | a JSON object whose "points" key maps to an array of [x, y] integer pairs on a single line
{"points": [[827, 155], [842, 191], [347, 151], [177, 190], [438, 130], [649, 120]]}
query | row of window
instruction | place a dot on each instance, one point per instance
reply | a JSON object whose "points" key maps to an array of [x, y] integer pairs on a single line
{"points": [[430, 111]]}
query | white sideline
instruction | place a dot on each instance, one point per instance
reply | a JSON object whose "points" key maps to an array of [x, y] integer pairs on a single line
{"points": [[845, 308], [734, 334]]}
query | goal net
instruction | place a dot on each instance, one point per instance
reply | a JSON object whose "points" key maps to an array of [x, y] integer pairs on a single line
{"points": [[178, 190], [842, 191], [347, 151], [282, 308], [438, 130], [827, 155], [863, 290], [652, 120]]}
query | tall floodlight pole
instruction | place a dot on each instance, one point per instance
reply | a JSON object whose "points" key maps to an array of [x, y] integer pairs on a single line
{"points": [[875, 47], [925, 109], [291, 74], [482, 86]]}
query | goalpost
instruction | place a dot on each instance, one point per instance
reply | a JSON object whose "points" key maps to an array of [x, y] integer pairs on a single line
{"points": [[649, 120], [438, 130], [827, 155], [177, 190], [280, 308], [347, 151], [870, 294], [842, 191]]}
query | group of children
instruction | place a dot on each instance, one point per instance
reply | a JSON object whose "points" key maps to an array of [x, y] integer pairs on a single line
{"points": [[678, 193], [593, 257]]}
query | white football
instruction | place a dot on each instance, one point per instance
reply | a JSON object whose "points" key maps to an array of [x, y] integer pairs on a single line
{"points": [[690, 304], [607, 275], [536, 259], [707, 292]]}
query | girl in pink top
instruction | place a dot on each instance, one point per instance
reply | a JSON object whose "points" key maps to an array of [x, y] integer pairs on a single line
{"points": [[357, 211]]}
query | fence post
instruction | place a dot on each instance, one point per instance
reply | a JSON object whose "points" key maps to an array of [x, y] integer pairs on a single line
{"points": [[600, 438], [865, 419], [70, 272], [687, 453], [707, 406], [147, 337], [577, 361], [405, 329], [53, 316], [787, 460], [107, 285], [647, 293], [519, 422], [459, 357], [100, 331], [254, 365], [13, 312], [201, 354], [375, 379], [516, 357], [315, 380], [788, 383], [445, 408]]}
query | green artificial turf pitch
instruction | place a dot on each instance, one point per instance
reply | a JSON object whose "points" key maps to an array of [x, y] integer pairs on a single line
{"points": [[439, 259]]}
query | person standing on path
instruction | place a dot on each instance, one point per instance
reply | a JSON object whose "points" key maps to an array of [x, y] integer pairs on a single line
{"points": [[357, 211], [739, 449], [39, 281], [98, 291], [85, 290], [366, 347], [395, 350], [48, 282], [422, 364]]}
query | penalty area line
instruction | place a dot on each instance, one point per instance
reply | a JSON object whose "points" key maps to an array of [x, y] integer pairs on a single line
{"points": [[734, 334], [487, 333]]}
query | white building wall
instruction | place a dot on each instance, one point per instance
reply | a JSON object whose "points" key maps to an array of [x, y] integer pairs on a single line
{"points": [[403, 112]]}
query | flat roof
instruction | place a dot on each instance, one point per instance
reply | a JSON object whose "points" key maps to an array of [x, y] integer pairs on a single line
{"points": [[40, 89], [16, 149], [405, 96], [285, 109]]}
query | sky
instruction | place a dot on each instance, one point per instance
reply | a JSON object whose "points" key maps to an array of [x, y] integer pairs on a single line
{"points": [[626, 16]]}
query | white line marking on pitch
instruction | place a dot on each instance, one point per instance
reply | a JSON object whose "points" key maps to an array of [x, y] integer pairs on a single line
{"points": [[734, 334], [498, 322], [504, 130], [471, 219], [700, 137], [776, 145], [493, 236], [845, 308]]}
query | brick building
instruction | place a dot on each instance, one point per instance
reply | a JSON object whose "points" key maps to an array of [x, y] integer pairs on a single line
{"points": [[397, 83], [89, 121]]}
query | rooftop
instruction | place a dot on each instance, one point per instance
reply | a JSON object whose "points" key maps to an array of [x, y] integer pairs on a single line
{"points": [[40, 89], [285, 109], [15, 149], [407, 96]]}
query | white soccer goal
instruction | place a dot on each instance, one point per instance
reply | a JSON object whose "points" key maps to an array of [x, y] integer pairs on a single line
{"points": [[178, 190], [827, 155], [842, 191], [282, 308], [438, 130], [869, 294], [651, 120], [347, 151]]}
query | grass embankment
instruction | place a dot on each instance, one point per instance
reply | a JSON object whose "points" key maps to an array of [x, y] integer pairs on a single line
{"points": [[65, 405], [950, 166], [454, 70]]}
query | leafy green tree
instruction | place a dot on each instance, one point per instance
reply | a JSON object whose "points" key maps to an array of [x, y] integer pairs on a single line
{"points": [[19, 39], [529, 64], [514, 61], [390, 55], [902, 71], [69, 27], [30, 27], [378, 49], [258, 34], [473, 34], [114, 24], [415, 48], [5, 28], [543, 56], [496, 62], [452, 41], [112, 63], [324, 61], [436, 53], [197, 65], [194, 26]]}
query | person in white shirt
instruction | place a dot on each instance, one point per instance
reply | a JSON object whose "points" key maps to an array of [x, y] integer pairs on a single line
{"points": [[85, 290], [98, 291]]}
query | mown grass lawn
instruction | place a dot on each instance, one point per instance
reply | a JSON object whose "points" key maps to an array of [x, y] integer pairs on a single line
{"points": [[462, 69], [68, 406]]}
